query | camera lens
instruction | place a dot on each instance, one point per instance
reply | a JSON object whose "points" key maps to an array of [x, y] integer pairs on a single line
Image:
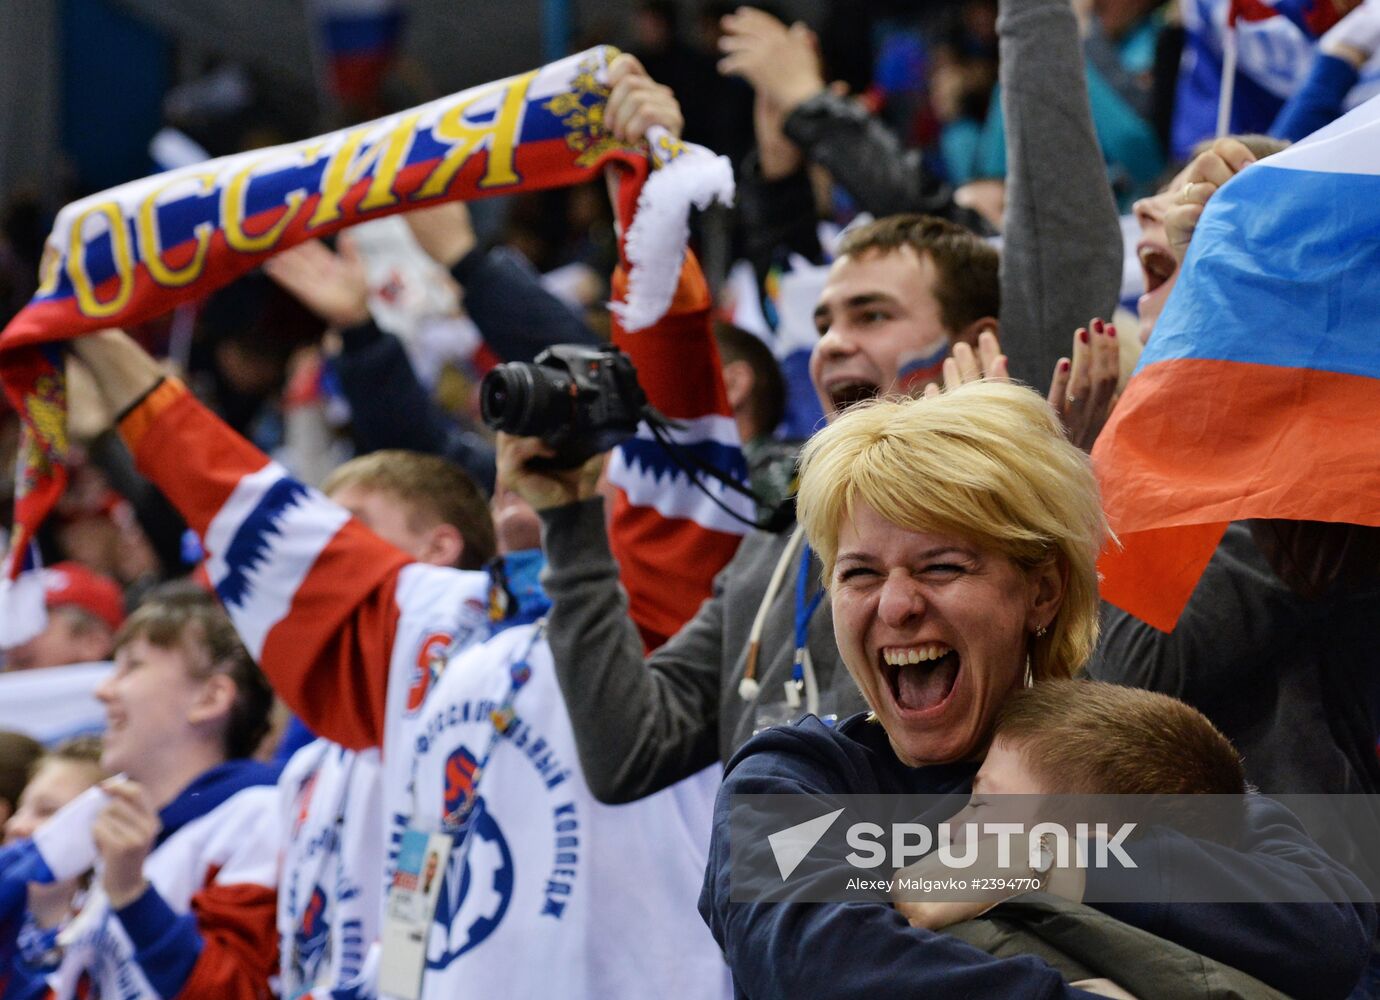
{"points": [[504, 396], [524, 399]]}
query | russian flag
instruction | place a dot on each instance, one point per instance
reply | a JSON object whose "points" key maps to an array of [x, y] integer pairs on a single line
{"points": [[1274, 45], [1259, 391], [359, 40]]}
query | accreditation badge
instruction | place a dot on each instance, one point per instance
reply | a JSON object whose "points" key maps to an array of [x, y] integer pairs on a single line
{"points": [[411, 905]]}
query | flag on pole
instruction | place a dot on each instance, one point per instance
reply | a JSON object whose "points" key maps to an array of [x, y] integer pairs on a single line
{"points": [[1259, 391], [1242, 59]]}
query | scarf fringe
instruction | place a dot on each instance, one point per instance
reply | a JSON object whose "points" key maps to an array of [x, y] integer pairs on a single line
{"points": [[660, 230]]}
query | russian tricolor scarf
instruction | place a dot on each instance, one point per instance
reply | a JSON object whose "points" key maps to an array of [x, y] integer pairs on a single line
{"points": [[126, 255]]}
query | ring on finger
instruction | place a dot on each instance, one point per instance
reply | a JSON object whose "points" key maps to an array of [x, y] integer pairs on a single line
{"points": [[1187, 193], [1071, 399]]}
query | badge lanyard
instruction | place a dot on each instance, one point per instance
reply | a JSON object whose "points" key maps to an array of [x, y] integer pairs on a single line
{"points": [[800, 689], [805, 607]]}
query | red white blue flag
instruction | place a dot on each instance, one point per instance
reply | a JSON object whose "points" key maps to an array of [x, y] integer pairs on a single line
{"points": [[1258, 392]]}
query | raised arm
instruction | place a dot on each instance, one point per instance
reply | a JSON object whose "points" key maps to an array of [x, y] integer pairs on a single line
{"points": [[1061, 259], [311, 591], [517, 317], [1341, 54], [639, 730], [861, 154], [390, 408]]}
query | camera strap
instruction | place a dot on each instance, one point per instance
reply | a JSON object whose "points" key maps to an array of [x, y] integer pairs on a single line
{"points": [[782, 515]]}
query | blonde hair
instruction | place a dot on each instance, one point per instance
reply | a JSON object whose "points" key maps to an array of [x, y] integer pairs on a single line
{"points": [[987, 462], [433, 489]]}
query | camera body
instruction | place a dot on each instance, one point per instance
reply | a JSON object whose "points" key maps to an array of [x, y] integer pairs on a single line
{"points": [[579, 400]]}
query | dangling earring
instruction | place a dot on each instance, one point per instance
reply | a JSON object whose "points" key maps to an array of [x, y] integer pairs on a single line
{"points": [[1030, 674]]}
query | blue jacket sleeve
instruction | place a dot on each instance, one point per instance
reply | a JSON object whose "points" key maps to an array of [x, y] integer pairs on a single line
{"points": [[389, 408], [516, 315], [166, 945], [1318, 101], [24, 967], [839, 950], [518, 319], [1298, 902]]}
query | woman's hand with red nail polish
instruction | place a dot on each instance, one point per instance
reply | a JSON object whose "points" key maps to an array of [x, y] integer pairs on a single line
{"points": [[1084, 388]]}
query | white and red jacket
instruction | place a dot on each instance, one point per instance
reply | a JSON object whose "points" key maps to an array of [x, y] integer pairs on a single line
{"points": [[340, 622], [205, 925], [330, 888], [555, 895]]}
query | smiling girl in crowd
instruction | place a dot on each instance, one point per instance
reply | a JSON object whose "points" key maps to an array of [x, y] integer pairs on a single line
{"points": [[182, 902]]}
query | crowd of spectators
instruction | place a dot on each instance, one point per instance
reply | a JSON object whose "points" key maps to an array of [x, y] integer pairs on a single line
{"points": [[340, 635]]}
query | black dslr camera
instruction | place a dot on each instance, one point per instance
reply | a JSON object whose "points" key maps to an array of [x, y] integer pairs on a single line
{"points": [[579, 400]]}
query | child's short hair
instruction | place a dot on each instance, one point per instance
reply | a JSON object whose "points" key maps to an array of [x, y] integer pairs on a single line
{"points": [[1082, 737], [84, 751], [78, 750], [186, 618], [435, 489]]}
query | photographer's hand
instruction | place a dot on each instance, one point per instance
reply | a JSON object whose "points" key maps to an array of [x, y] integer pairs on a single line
{"points": [[547, 487]]}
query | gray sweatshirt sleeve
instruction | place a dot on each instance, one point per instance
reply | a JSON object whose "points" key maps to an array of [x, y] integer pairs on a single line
{"points": [[640, 725], [1061, 262]]}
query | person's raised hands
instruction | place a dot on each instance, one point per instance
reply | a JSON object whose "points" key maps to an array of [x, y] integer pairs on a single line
{"points": [[966, 365], [332, 285], [444, 231], [1209, 171], [782, 63], [1083, 390], [777, 156], [122, 371], [88, 414], [637, 102]]}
